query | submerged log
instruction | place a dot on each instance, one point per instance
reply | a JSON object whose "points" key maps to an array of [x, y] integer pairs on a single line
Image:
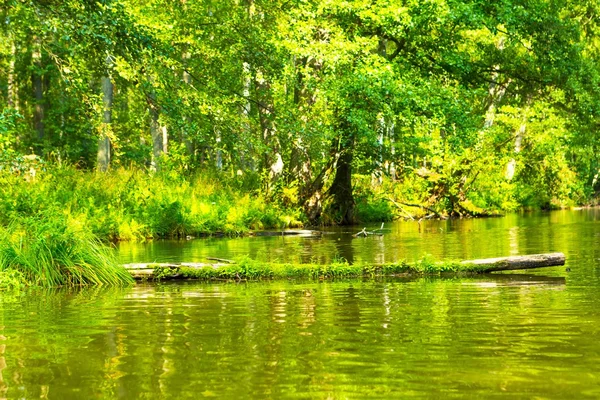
{"points": [[518, 262], [289, 232], [151, 266], [269, 270]]}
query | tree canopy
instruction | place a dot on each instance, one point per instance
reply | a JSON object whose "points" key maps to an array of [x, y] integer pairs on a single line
{"points": [[455, 106]]}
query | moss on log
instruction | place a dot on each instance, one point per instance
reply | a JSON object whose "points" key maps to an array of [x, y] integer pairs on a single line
{"points": [[251, 269]]}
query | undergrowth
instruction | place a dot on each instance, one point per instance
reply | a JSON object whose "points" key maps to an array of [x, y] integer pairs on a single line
{"points": [[135, 205]]}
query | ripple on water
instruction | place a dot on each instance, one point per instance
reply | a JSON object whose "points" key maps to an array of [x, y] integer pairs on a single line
{"points": [[510, 336]]}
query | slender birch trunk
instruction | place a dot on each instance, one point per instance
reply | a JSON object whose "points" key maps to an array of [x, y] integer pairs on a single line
{"points": [[103, 157], [159, 136], [37, 84], [12, 99], [512, 164], [185, 137]]}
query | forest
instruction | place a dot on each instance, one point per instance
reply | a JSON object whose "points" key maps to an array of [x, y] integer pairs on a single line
{"points": [[258, 199], [171, 118]]}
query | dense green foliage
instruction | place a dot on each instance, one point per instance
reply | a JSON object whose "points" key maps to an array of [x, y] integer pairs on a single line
{"points": [[130, 205], [345, 109]]}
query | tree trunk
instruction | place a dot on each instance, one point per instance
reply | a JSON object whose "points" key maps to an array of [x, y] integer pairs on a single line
{"points": [[185, 137], [218, 154], [272, 160], [383, 127], [300, 166], [12, 85], [391, 164], [496, 92], [159, 138], [38, 90], [377, 174], [517, 262], [103, 157], [512, 164], [246, 158], [341, 189]]}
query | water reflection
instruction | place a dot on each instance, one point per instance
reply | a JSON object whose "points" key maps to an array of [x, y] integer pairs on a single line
{"points": [[309, 339], [506, 335]]}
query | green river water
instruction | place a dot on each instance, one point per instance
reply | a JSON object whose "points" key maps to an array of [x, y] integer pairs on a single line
{"points": [[531, 336]]}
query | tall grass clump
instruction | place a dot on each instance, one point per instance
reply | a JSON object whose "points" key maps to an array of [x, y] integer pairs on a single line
{"points": [[57, 251]]}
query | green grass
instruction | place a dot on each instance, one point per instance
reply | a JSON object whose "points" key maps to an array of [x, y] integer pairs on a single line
{"points": [[56, 252], [136, 205]]}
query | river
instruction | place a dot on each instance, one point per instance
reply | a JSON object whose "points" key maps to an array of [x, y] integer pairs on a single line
{"points": [[533, 335]]}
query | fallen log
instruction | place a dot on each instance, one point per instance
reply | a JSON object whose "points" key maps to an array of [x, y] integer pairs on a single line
{"points": [[151, 266], [255, 270], [517, 262], [289, 232], [146, 271]]}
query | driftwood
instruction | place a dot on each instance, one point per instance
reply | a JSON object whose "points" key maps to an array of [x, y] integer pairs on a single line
{"points": [[289, 232], [519, 262], [365, 233]]}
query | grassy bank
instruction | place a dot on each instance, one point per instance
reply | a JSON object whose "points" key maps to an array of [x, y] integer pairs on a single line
{"points": [[56, 223], [135, 205]]}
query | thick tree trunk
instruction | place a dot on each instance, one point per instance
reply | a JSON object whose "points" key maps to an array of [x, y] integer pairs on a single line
{"points": [[37, 84], [341, 190], [310, 192], [103, 157]]}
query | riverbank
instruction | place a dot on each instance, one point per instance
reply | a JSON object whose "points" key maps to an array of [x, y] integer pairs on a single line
{"points": [[56, 221], [135, 204]]}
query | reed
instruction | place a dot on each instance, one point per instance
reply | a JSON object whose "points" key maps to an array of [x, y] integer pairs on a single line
{"points": [[56, 252]]}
